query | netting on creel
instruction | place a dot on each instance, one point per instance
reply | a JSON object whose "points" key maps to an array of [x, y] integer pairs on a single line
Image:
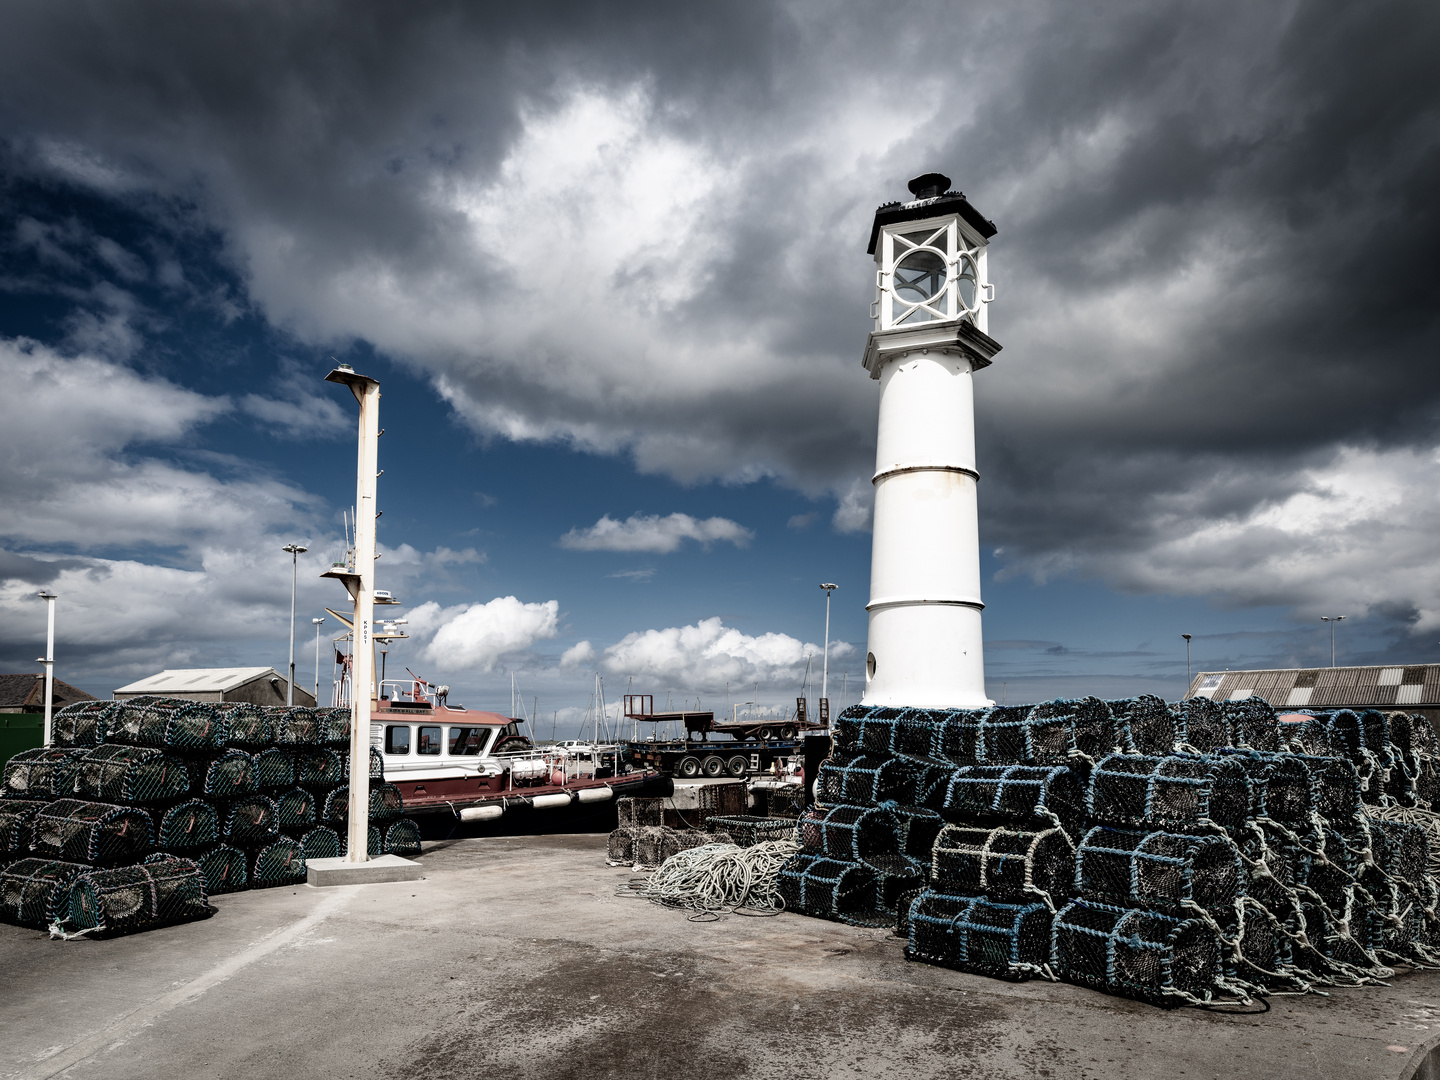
{"points": [[868, 835], [401, 838], [246, 726], [225, 868], [101, 834], [225, 776], [861, 729], [335, 808], [1203, 726], [1336, 786], [1251, 723], [1004, 863], [295, 809], [919, 827], [187, 826], [1281, 787], [1145, 725], [1176, 790], [832, 889], [158, 892], [17, 817], [865, 781], [166, 724], [332, 726], [274, 769], [33, 890], [1022, 793], [82, 724], [318, 766], [1139, 954], [1160, 870], [747, 830], [250, 820], [620, 845], [43, 773], [973, 933], [639, 813], [385, 802], [786, 802], [116, 772], [1050, 733], [321, 842], [1310, 736], [280, 862], [295, 727]]}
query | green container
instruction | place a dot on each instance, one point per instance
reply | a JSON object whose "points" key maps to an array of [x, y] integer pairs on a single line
{"points": [[20, 731]]}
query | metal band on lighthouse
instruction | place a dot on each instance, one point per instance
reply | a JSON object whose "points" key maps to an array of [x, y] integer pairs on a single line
{"points": [[925, 646]]}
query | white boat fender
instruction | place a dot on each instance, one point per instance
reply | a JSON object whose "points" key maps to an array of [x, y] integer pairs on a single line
{"points": [[596, 794], [481, 813], [545, 802]]}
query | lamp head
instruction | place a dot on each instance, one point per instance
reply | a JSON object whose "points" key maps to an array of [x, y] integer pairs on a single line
{"points": [[317, 622], [295, 549], [1185, 636], [827, 586], [45, 594]]}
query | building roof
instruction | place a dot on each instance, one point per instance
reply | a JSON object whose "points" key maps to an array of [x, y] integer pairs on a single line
{"points": [[199, 680], [952, 202], [27, 690], [1301, 688]]}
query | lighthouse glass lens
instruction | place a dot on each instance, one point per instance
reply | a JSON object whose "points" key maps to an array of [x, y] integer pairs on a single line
{"points": [[919, 276]]}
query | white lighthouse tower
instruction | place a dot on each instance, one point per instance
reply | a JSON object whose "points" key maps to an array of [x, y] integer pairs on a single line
{"points": [[925, 646]]}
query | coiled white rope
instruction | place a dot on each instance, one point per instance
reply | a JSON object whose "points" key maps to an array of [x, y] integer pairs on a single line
{"points": [[719, 879]]}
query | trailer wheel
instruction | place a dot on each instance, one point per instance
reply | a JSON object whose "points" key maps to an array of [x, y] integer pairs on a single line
{"points": [[689, 767], [737, 766], [787, 732], [766, 734], [713, 766]]}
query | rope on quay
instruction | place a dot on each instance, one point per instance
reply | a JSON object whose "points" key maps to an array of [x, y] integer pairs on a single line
{"points": [[719, 879]]}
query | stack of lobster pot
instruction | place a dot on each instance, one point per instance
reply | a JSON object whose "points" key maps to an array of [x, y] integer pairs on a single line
{"points": [[144, 808], [1175, 854]]}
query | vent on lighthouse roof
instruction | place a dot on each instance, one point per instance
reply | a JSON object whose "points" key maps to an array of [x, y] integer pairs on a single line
{"points": [[933, 198]]}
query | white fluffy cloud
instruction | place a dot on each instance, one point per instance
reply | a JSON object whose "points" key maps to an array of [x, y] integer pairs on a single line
{"points": [[656, 534], [1355, 534], [707, 655], [479, 636], [582, 652]]}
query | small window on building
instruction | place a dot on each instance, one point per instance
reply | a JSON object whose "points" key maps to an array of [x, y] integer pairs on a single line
{"points": [[430, 739], [397, 739], [466, 741]]}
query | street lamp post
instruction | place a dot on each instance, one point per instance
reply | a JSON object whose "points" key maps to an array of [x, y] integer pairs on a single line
{"points": [[829, 587], [316, 623], [1188, 676], [295, 551], [1332, 620], [49, 658]]}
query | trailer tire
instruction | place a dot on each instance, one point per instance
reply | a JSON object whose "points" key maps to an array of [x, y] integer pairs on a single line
{"points": [[765, 734], [713, 766], [689, 767], [787, 732], [737, 766]]}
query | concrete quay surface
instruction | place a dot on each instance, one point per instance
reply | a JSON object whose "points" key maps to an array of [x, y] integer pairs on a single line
{"points": [[515, 957]]}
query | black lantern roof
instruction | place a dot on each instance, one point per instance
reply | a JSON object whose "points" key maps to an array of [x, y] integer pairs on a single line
{"points": [[933, 198]]}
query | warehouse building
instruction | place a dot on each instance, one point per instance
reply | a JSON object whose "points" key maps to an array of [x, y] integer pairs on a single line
{"points": [[257, 685], [1414, 688]]}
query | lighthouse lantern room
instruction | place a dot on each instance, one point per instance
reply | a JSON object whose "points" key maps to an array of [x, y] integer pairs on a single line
{"points": [[931, 294]]}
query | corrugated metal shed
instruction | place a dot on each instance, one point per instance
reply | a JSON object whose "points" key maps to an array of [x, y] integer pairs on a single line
{"points": [[261, 685], [1413, 687]]}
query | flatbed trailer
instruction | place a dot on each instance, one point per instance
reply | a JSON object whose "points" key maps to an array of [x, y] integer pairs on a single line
{"points": [[701, 725], [689, 758]]}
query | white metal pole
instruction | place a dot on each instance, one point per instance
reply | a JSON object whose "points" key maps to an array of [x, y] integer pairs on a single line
{"points": [[364, 656], [825, 664], [317, 623], [49, 598], [294, 565]]}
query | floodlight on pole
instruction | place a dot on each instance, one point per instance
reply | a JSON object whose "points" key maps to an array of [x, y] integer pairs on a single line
{"points": [[49, 658], [316, 623], [295, 551], [829, 587], [1332, 620]]}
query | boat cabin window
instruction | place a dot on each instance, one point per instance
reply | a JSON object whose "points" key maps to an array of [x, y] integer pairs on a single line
{"points": [[468, 741], [429, 740], [397, 739]]}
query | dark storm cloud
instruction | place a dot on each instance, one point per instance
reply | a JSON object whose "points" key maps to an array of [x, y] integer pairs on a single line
{"points": [[1215, 260]]}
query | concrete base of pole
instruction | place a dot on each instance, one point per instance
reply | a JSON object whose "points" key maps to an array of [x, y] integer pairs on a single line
{"points": [[340, 871]]}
